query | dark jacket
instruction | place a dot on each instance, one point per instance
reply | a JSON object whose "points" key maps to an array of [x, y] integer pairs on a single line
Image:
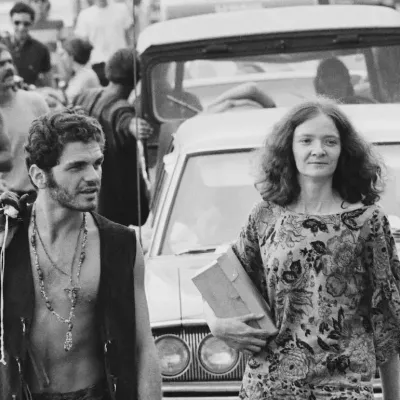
{"points": [[119, 197], [115, 311]]}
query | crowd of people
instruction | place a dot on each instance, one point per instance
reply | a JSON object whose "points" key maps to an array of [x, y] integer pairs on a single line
{"points": [[74, 322], [93, 69]]}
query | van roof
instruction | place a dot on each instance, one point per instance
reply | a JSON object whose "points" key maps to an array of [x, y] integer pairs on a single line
{"points": [[267, 21]]}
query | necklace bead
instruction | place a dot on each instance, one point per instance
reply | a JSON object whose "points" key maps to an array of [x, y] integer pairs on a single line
{"points": [[71, 293]]}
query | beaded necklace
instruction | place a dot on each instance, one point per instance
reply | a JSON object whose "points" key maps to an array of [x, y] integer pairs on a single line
{"points": [[53, 264], [72, 292]]}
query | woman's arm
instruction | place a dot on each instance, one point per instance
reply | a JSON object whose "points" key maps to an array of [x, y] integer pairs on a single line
{"points": [[390, 377], [235, 331]]}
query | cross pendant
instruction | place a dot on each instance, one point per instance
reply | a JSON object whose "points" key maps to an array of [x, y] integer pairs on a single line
{"points": [[72, 294], [68, 341]]}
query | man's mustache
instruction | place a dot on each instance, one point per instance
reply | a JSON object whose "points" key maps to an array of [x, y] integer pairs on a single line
{"points": [[9, 74]]}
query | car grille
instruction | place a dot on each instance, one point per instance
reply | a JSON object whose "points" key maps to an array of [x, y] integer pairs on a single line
{"points": [[193, 336], [196, 373]]}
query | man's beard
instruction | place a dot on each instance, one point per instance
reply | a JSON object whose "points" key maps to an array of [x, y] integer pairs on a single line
{"points": [[65, 198]]}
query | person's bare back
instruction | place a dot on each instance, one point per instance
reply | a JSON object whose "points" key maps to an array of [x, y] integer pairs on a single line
{"points": [[81, 366]]}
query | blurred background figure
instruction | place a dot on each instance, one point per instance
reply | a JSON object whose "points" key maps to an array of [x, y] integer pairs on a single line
{"points": [[19, 109], [46, 29], [42, 9], [121, 191], [31, 57], [107, 25], [55, 98], [79, 75], [333, 80], [246, 96]]}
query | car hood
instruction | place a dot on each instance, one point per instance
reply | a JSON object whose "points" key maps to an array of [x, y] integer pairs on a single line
{"points": [[172, 297]]}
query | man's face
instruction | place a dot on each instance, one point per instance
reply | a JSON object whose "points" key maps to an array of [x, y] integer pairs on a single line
{"points": [[7, 70], [22, 22], [75, 182]]}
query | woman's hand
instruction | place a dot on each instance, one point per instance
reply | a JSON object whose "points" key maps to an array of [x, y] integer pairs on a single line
{"points": [[236, 333]]}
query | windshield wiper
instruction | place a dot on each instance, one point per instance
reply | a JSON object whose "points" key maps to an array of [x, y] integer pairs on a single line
{"points": [[197, 250]]}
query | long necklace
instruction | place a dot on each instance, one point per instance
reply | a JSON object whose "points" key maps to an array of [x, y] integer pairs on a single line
{"points": [[53, 264], [71, 292]]}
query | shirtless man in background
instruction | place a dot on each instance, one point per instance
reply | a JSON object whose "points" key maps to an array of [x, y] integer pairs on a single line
{"points": [[77, 327], [19, 108]]}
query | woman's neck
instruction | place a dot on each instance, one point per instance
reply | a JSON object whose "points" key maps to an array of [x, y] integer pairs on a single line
{"points": [[312, 191], [317, 197]]}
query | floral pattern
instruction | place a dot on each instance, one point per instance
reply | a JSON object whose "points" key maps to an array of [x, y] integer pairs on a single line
{"points": [[333, 285]]}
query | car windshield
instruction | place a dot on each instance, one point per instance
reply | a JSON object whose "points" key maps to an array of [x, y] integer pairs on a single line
{"points": [[352, 76], [216, 193]]}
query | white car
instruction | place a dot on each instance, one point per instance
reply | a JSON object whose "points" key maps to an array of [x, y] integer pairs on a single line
{"points": [[205, 193]]}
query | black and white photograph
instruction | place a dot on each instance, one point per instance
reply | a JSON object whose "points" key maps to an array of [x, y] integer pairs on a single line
{"points": [[200, 200]]}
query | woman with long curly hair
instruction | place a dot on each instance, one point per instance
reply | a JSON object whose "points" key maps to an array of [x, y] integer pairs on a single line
{"points": [[320, 250]]}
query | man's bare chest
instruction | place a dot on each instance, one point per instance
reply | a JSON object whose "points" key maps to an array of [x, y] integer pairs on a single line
{"points": [[66, 281]]}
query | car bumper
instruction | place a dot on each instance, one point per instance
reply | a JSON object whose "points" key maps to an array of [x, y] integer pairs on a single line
{"points": [[219, 390]]}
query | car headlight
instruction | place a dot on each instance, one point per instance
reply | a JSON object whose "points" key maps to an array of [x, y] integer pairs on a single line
{"points": [[174, 355], [217, 357]]}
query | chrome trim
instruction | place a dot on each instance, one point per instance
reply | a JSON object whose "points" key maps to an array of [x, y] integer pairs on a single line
{"points": [[201, 387], [167, 324], [178, 323], [163, 337]]}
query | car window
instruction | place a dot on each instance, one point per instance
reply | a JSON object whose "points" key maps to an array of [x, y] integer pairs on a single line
{"points": [[213, 199], [351, 76], [216, 193]]}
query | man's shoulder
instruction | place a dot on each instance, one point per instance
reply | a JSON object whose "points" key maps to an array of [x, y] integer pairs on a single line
{"points": [[86, 97], [35, 100], [30, 96], [39, 46], [106, 224]]}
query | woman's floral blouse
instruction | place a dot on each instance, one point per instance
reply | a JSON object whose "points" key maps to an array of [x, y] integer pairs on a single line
{"points": [[332, 282]]}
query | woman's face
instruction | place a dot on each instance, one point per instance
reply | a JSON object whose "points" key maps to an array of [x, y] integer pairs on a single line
{"points": [[316, 148]]}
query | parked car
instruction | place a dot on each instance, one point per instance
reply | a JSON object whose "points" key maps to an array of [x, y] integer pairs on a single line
{"points": [[206, 192], [188, 62]]}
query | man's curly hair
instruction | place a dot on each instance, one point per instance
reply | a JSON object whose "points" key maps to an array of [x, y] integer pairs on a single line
{"points": [[49, 134], [358, 175]]}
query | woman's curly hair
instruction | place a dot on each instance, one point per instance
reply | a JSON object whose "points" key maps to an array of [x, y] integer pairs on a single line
{"points": [[358, 175], [49, 134]]}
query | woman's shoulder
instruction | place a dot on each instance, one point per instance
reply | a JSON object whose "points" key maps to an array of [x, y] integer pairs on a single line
{"points": [[365, 217], [265, 210]]}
